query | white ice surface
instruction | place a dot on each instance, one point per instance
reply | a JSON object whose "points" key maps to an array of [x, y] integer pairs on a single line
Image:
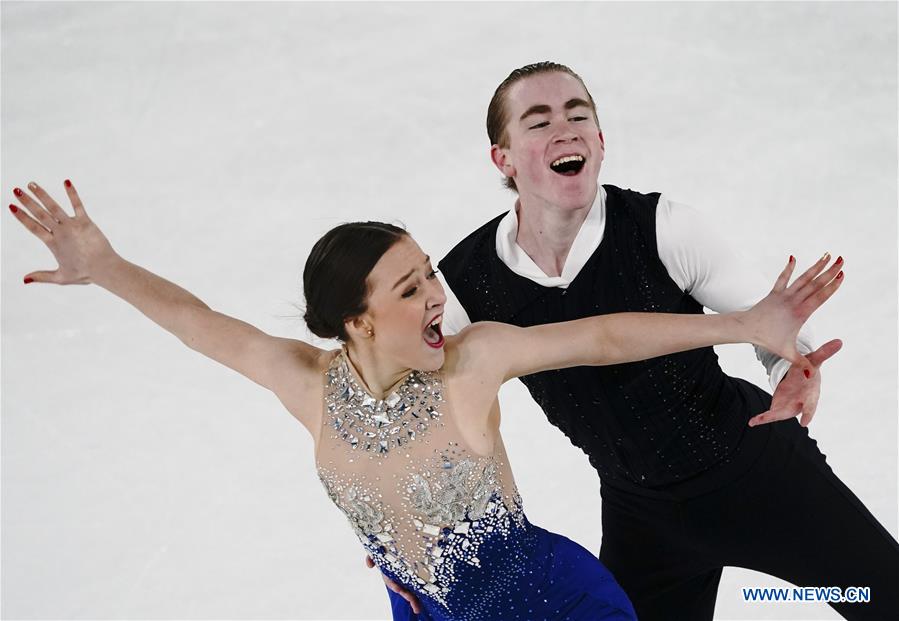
{"points": [[214, 143]]}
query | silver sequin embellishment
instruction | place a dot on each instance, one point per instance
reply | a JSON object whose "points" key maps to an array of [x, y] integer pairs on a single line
{"points": [[455, 508], [379, 426], [363, 513]]}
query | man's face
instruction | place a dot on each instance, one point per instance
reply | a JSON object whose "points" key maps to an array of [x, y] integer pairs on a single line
{"points": [[550, 119]]}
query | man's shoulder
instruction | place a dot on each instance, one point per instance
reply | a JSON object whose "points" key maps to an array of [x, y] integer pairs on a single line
{"points": [[474, 240], [631, 196]]}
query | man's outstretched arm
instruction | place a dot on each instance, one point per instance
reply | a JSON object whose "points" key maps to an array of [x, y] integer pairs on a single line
{"points": [[703, 262]]}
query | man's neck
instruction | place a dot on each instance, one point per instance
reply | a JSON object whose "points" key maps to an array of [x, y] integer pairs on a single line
{"points": [[546, 232]]}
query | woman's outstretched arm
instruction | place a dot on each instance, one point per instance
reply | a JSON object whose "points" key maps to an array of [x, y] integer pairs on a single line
{"points": [[773, 323], [85, 256]]}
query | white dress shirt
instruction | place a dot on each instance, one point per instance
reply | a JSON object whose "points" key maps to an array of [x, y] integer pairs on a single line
{"points": [[698, 259]]}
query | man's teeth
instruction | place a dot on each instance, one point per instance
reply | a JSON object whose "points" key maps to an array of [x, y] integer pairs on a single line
{"points": [[568, 158]]}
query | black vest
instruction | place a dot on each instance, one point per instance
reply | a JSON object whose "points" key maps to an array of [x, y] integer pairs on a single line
{"points": [[649, 423]]}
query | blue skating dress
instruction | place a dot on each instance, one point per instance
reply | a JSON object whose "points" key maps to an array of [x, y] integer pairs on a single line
{"points": [[443, 521]]}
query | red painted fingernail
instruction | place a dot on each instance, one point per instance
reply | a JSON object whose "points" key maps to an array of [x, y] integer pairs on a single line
{"points": [[840, 259], [68, 183], [839, 276], [17, 192], [28, 280], [13, 208], [792, 258], [807, 372]]}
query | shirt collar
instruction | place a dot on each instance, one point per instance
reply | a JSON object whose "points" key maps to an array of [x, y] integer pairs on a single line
{"points": [[585, 244]]}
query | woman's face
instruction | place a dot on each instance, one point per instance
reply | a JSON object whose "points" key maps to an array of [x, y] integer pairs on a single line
{"points": [[405, 307]]}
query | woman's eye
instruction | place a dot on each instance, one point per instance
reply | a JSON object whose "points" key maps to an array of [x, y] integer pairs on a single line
{"points": [[539, 125], [578, 118], [412, 290]]}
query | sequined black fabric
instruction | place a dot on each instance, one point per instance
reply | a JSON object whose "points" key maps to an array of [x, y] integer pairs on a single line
{"points": [[648, 423]]}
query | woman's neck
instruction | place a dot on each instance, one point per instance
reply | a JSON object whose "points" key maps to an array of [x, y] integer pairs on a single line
{"points": [[377, 376]]}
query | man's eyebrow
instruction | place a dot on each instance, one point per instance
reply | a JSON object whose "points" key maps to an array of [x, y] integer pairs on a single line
{"points": [[576, 102], [537, 109], [409, 273]]}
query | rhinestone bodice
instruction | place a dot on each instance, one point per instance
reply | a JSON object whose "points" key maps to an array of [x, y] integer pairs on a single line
{"points": [[424, 506], [378, 426]]}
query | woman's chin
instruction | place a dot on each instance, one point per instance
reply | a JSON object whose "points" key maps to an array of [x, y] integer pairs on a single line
{"points": [[432, 359]]}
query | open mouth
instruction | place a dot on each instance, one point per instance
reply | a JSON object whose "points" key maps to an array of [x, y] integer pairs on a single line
{"points": [[568, 165], [433, 334]]}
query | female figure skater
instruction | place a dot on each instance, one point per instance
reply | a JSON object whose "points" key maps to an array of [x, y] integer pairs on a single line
{"points": [[406, 422]]}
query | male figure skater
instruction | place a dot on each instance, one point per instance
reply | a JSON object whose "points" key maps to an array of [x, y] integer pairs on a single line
{"points": [[691, 480]]}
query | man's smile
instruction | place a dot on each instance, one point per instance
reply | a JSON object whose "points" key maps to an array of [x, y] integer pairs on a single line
{"points": [[568, 165]]}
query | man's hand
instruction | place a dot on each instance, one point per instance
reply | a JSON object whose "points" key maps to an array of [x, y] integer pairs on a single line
{"points": [[393, 586], [796, 392]]}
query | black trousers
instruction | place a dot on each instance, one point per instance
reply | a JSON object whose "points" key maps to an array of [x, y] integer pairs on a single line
{"points": [[776, 507]]}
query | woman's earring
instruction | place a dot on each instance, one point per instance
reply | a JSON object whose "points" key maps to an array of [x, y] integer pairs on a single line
{"points": [[371, 333]]}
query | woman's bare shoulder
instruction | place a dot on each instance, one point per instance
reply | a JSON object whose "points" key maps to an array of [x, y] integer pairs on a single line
{"points": [[301, 387], [473, 382], [481, 337], [472, 352]]}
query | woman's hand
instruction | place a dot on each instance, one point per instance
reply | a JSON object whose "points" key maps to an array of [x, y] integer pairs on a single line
{"points": [[289, 368], [76, 242], [774, 322]]}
